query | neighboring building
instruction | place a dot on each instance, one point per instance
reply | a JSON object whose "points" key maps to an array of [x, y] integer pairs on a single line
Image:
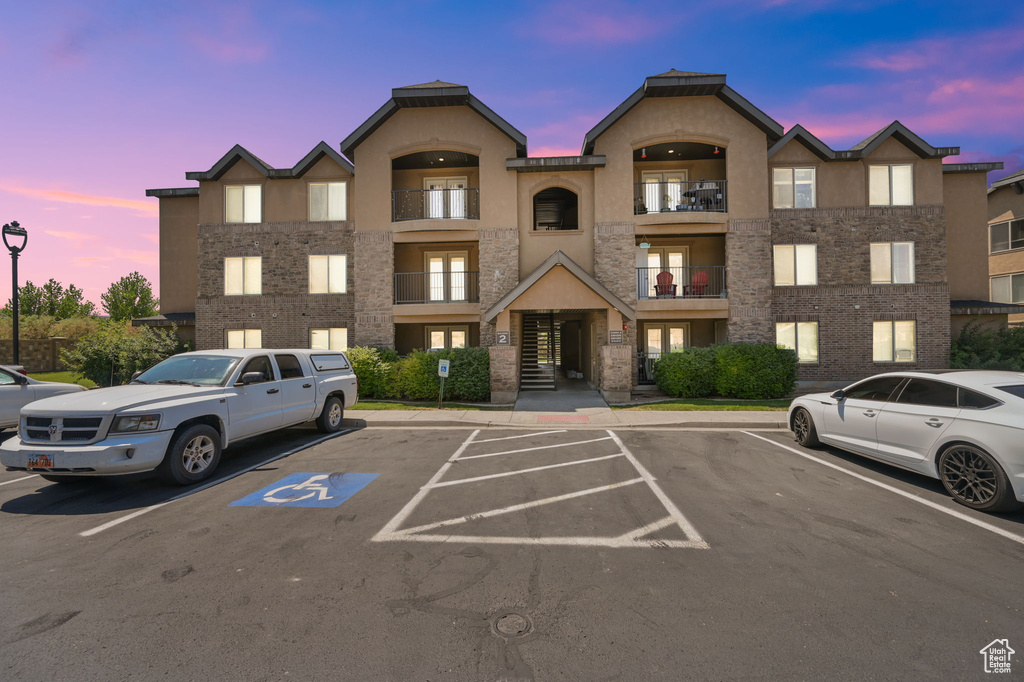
{"points": [[1006, 242], [689, 218]]}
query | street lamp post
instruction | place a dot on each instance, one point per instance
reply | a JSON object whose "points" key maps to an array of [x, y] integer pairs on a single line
{"points": [[13, 229]]}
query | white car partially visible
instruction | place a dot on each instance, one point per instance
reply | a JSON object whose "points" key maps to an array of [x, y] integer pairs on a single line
{"points": [[18, 390], [963, 427]]}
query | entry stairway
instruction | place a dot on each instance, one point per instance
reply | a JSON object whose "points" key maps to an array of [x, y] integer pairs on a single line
{"points": [[540, 353]]}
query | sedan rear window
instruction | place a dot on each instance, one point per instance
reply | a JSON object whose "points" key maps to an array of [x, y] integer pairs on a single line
{"points": [[976, 400], [1013, 390]]}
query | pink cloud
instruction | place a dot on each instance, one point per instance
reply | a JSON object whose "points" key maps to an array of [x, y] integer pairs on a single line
{"points": [[234, 37], [555, 151], [79, 239], [601, 22], [969, 49], [147, 208]]}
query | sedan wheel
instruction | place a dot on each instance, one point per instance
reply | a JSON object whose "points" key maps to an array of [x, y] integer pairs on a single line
{"points": [[803, 428], [974, 479]]}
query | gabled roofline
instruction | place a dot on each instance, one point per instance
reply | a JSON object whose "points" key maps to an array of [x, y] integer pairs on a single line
{"points": [[419, 96], [318, 152], [234, 155], [559, 258], [1016, 179], [801, 135], [240, 153], [907, 138], [689, 85], [173, 192]]}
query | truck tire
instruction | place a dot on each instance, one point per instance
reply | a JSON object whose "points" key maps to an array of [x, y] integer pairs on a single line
{"points": [[192, 456], [331, 416]]}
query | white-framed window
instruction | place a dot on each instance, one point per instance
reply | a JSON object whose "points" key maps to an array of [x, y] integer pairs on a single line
{"points": [[793, 188], [243, 203], [653, 261], [446, 276], [799, 336], [328, 274], [666, 338], [891, 185], [663, 190], [796, 265], [444, 197], [1006, 236], [244, 338], [894, 341], [892, 263], [328, 201], [243, 276], [1008, 288], [438, 337], [333, 338]]}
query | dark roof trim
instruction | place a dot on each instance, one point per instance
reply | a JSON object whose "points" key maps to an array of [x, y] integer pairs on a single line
{"points": [[984, 308], [173, 192], [559, 258], [801, 135], [421, 96], [167, 320], [686, 84], [972, 167], [1011, 179], [240, 153], [905, 136], [544, 164]]}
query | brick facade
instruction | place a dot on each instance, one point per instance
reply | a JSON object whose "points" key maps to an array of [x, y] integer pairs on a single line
{"points": [[499, 272], [284, 316], [375, 282]]}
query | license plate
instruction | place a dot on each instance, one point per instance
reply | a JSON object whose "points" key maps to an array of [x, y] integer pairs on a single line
{"points": [[40, 462]]}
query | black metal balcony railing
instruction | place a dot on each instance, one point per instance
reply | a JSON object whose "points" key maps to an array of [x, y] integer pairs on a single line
{"points": [[645, 367], [683, 195], [437, 287], [444, 204], [697, 281]]}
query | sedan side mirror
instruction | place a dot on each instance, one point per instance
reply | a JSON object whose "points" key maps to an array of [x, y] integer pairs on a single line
{"points": [[838, 395], [250, 378]]}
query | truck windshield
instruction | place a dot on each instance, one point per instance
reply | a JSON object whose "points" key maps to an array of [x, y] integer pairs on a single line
{"points": [[201, 370]]}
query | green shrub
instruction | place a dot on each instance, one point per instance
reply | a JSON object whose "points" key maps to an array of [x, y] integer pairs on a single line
{"points": [[116, 350], [983, 348], [754, 370], [375, 369], [470, 375], [75, 328], [382, 374], [687, 374]]}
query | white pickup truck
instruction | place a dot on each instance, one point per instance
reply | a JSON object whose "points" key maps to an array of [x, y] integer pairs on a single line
{"points": [[177, 416]]}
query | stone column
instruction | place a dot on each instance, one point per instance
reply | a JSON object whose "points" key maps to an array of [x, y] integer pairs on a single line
{"points": [[374, 288], [748, 266], [616, 373], [615, 267], [504, 373], [499, 271]]}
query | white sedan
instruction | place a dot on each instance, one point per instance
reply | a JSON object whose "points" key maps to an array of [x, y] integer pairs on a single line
{"points": [[18, 390], [965, 428]]}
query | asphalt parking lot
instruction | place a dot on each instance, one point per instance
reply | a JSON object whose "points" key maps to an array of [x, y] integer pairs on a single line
{"points": [[543, 554]]}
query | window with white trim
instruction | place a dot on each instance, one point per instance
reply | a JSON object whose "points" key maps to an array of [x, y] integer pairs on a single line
{"points": [[447, 337], [244, 338], [892, 263], [894, 341], [243, 276], [796, 265], [1008, 288], [793, 188], [333, 338], [891, 185], [1006, 236], [801, 337], [328, 274], [328, 201], [243, 203]]}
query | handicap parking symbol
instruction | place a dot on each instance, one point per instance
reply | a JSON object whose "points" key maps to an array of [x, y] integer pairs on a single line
{"points": [[307, 490]]}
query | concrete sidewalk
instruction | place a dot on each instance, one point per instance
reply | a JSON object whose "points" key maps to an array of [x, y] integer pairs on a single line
{"points": [[560, 420]]}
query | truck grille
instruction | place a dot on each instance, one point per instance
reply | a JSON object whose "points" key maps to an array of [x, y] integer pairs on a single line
{"points": [[61, 429]]}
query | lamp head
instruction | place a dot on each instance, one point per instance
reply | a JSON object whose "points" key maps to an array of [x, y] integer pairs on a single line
{"points": [[15, 230]]}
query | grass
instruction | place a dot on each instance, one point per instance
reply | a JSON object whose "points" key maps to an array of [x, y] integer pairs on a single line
{"points": [[705, 404], [407, 405], [64, 377]]}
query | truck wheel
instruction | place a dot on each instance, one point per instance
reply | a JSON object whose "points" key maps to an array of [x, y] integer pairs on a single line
{"points": [[192, 456], [330, 417]]}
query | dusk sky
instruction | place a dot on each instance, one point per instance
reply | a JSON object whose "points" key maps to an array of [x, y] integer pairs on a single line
{"points": [[102, 100]]}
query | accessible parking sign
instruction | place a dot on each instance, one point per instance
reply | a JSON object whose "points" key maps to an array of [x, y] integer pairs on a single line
{"points": [[307, 490]]}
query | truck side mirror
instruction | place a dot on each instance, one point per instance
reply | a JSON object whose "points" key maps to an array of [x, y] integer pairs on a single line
{"points": [[135, 375], [250, 378]]}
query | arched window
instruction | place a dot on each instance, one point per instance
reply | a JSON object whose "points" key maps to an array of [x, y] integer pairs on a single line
{"points": [[556, 208]]}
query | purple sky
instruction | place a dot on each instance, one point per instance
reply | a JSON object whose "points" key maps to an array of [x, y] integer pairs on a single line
{"points": [[102, 100]]}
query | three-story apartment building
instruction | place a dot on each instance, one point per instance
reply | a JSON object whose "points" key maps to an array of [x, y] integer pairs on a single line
{"points": [[689, 218], [1006, 242]]}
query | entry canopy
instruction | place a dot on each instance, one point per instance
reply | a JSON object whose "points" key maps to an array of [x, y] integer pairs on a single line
{"points": [[559, 258]]}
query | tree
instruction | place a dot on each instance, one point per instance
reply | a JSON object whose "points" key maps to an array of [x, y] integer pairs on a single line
{"points": [[130, 297], [117, 350], [51, 299]]}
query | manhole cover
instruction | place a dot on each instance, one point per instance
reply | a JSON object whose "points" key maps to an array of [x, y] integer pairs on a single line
{"points": [[512, 625]]}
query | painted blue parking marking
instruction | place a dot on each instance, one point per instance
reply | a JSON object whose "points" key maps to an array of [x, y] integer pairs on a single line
{"points": [[307, 490]]}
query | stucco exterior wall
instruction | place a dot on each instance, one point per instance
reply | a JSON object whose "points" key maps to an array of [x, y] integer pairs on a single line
{"points": [[179, 276], [966, 235], [536, 246]]}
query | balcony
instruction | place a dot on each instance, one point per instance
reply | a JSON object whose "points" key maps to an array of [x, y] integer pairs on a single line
{"points": [[700, 281], [437, 287], [703, 196], [435, 204]]}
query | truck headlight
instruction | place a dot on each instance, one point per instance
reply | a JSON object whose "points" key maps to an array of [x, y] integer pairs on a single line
{"points": [[142, 422]]}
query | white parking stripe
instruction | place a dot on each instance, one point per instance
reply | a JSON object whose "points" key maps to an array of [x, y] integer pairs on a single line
{"points": [[23, 478], [910, 496], [541, 447], [209, 484], [524, 435], [525, 471]]}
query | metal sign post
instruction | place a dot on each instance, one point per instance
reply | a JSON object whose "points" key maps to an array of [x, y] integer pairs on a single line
{"points": [[442, 371]]}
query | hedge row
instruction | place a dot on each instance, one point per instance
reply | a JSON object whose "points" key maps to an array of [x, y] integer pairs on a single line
{"points": [[978, 347], [732, 370], [383, 375]]}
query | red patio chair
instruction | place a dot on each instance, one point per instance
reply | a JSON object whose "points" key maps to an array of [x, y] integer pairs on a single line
{"points": [[664, 287], [698, 284]]}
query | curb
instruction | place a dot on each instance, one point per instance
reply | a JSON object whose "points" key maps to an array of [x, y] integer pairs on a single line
{"points": [[360, 423]]}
